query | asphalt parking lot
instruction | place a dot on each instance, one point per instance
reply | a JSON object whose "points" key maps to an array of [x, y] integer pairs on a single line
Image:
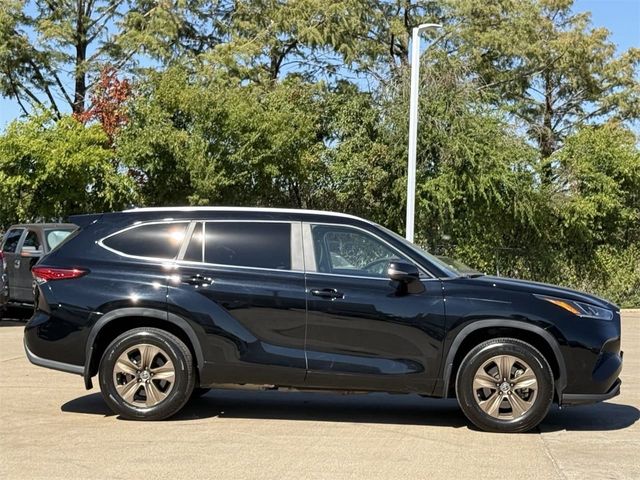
{"points": [[51, 428]]}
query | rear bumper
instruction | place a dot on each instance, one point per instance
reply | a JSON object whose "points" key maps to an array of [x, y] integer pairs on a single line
{"points": [[44, 362], [586, 398]]}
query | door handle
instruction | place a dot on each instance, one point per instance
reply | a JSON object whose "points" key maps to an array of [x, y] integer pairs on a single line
{"points": [[331, 293], [16, 263], [198, 280]]}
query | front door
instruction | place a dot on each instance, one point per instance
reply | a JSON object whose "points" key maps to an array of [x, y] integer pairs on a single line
{"points": [[363, 330], [27, 256], [245, 286]]}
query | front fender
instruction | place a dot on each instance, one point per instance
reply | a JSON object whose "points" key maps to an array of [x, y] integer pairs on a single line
{"points": [[447, 365]]}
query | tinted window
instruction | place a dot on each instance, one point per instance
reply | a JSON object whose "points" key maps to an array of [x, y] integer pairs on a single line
{"points": [[161, 240], [55, 237], [348, 251], [264, 245], [194, 250], [31, 240], [11, 240]]}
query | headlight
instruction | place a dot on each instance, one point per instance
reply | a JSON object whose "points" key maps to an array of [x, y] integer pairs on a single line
{"points": [[581, 309]]}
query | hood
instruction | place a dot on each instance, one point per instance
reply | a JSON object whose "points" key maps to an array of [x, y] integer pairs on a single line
{"points": [[542, 289]]}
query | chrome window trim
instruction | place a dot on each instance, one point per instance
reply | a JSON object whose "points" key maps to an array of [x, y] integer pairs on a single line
{"points": [[177, 260], [309, 238], [386, 279], [240, 267], [137, 225]]}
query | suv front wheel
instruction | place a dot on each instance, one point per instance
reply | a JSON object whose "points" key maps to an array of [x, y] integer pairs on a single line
{"points": [[146, 374], [505, 385]]}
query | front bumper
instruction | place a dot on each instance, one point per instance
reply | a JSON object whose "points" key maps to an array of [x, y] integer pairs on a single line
{"points": [[606, 375], [586, 398]]}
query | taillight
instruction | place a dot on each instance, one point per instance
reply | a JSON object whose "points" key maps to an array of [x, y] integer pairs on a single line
{"points": [[44, 274]]}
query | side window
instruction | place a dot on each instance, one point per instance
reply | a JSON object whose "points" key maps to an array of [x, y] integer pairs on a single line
{"points": [[346, 251], [31, 241], [158, 240], [56, 237], [11, 240], [248, 244]]}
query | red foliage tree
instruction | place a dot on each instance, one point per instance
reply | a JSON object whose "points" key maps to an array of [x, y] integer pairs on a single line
{"points": [[108, 100]]}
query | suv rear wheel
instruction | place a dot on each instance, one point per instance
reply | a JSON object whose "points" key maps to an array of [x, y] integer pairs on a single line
{"points": [[146, 374], [505, 385]]}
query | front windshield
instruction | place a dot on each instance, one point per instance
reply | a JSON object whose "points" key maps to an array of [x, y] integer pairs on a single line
{"points": [[451, 270]]}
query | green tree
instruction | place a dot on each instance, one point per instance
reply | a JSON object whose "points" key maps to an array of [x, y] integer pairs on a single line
{"points": [[597, 199], [50, 169], [204, 138], [546, 65], [41, 39]]}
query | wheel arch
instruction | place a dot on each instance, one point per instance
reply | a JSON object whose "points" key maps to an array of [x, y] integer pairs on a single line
{"points": [[116, 322], [479, 331]]}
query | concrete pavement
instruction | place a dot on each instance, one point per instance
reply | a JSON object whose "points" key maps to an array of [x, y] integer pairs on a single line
{"points": [[51, 428]]}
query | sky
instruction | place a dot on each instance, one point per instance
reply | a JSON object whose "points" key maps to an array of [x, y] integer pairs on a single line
{"points": [[620, 17]]}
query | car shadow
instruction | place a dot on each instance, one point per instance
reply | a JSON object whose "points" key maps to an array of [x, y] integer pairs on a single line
{"points": [[371, 408], [14, 316]]}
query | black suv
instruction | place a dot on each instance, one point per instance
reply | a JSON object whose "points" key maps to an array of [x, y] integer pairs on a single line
{"points": [[166, 303]]}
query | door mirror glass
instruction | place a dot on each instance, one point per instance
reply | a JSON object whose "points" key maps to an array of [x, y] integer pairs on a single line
{"points": [[403, 271]]}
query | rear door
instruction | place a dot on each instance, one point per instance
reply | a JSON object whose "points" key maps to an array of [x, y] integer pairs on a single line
{"points": [[243, 282], [12, 241]]}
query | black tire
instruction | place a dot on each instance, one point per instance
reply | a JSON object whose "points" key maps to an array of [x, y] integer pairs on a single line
{"points": [[175, 350], [199, 392], [469, 398]]}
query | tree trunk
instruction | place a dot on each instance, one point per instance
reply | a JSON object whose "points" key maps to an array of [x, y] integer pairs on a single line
{"points": [[547, 142], [81, 56]]}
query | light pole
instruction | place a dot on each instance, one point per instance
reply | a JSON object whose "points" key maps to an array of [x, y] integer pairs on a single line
{"points": [[413, 126]]}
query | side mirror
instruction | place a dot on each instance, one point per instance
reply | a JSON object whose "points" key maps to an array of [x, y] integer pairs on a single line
{"points": [[30, 252], [403, 272]]}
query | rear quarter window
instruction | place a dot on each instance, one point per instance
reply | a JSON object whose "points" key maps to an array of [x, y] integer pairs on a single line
{"points": [[157, 240]]}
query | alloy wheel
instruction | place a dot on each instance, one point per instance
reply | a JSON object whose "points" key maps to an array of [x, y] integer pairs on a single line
{"points": [[505, 387], [144, 375]]}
